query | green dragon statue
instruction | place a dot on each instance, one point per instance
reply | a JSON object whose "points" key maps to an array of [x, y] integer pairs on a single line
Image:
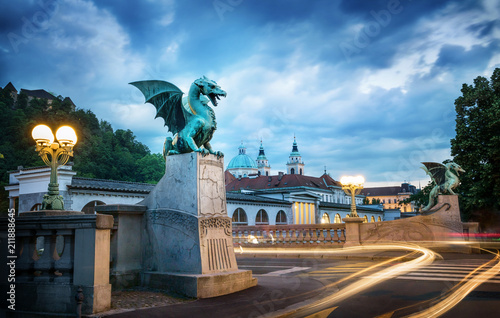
{"points": [[445, 176], [191, 119]]}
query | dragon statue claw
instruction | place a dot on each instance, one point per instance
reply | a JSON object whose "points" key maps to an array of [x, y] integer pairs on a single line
{"points": [[445, 176], [191, 119]]}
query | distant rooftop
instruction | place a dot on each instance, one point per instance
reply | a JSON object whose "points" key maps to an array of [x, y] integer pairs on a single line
{"points": [[281, 181], [37, 93], [389, 191], [110, 185]]}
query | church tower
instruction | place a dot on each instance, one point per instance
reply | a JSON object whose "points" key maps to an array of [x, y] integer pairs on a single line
{"points": [[295, 164], [262, 162]]}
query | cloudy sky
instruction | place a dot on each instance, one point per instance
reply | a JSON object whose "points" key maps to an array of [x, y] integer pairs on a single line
{"points": [[367, 87]]}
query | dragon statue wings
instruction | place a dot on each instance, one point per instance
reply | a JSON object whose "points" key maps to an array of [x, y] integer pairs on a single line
{"points": [[445, 176], [190, 119]]}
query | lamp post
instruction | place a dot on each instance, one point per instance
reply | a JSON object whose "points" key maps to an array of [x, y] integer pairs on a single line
{"points": [[59, 153], [352, 186]]}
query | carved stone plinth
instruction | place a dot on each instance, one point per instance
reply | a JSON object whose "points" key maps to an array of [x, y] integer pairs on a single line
{"points": [[188, 233]]}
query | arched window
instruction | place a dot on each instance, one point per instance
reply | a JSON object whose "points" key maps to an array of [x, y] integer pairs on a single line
{"points": [[281, 218], [325, 219], [240, 217], [337, 218], [365, 219], [89, 208], [36, 207], [292, 171], [261, 217], [379, 219], [301, 171], [372, 219]]}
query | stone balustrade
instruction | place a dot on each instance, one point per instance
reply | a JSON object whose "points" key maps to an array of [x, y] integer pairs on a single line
{"points": [[55, 253], [290, 235]]}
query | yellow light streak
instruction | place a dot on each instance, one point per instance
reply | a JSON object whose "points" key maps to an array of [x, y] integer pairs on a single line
{"points": [[364, 283], [461, 292]]}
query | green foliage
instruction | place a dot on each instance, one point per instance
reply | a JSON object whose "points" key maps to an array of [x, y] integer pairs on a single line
{"points": [[375, 201], [476, 148], [100, 151], [421, 198]]}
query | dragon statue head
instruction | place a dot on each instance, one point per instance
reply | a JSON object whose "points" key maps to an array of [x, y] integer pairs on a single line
{"points": [[210, 89], [454, 166]]}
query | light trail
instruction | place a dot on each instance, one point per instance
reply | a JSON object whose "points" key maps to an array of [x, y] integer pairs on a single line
{"points": [[364, 283], [457, 294]]}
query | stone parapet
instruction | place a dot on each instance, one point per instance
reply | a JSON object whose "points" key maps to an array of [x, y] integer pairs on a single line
{"points": [[57, 253]]}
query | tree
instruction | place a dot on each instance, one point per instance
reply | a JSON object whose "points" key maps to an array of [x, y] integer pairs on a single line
{"points": [[420, 198], [99, 153], [476, 148]]}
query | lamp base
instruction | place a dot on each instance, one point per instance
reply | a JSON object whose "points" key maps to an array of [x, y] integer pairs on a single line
{"points": [[52, 202]]}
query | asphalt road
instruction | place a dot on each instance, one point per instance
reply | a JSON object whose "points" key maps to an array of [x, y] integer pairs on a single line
{"points": [[291, 287]]}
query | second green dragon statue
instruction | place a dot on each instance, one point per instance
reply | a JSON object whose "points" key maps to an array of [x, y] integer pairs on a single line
{"points": [[191, 119]]}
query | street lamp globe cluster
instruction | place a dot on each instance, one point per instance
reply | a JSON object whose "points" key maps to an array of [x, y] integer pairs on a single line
{"points": [[59, 153], [352, 186]]}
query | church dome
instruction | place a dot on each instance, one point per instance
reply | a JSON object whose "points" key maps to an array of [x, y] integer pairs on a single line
{"points": [[242, 160]]}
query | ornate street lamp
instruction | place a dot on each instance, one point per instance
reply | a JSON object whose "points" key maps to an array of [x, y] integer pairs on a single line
{"points": [[352, 186], [59, 155]]}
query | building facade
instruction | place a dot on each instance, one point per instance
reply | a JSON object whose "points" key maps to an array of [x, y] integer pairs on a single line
{"points": [[392, 197]]}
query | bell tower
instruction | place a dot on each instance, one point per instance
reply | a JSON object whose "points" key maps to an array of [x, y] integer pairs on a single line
{"points": [[295, 165], [262, 162]]}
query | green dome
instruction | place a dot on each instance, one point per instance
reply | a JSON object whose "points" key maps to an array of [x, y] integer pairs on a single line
{"points": [[242, 160]]}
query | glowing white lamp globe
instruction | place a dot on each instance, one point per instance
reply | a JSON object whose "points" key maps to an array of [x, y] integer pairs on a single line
{"points": [[42, 134], [66, 135]]}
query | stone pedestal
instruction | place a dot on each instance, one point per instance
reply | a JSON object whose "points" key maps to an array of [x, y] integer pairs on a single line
{"points": [[352, 231], [188, 243]]}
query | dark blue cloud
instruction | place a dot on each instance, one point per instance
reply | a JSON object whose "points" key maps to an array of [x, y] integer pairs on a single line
{"points": [[455, 56]]}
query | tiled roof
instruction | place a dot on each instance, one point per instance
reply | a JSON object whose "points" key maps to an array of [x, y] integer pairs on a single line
{"points": [[110, 185], [10, 87], [228, 177], [387, 191], [231, 196], [38, 93], [284, 181]]}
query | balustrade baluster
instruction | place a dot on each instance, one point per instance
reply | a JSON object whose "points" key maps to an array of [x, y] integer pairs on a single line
{"points": [[63, 264], [43, 258], [314, 236], [335, 237], [307, 237], [342, 237]]}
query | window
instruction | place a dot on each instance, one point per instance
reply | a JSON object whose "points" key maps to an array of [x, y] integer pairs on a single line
{"points": [[240, 217], [372, 219], [389, 201], [379, 219], [365, 219], [301, 171], [337, 218], [281, 218], [89, 208], [325, 219], [261, 217], [292, 171]]}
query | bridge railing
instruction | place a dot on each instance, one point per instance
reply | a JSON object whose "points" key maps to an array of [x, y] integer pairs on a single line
{"points": [[290, 235]]}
